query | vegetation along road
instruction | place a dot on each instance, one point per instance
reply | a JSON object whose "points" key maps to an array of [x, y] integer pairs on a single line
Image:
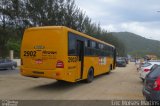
{"points": [[120, 84]]}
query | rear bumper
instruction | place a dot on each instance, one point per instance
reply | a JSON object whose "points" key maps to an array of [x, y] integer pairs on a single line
{"points": [[143, 75], [151, 95], [53, 74]]}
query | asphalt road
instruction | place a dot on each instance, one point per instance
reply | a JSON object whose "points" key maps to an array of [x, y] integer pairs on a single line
{"points": [[120, 84]]}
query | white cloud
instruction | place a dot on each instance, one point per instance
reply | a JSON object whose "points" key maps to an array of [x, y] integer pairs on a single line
{"points": [[138, 16], [147, 30]]}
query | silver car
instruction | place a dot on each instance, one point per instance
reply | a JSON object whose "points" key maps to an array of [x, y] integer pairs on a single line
{"points": [[7, 64], [146, 69]]}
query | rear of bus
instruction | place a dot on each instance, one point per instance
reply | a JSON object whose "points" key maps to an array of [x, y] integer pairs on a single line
{"points": [[44, 52]]}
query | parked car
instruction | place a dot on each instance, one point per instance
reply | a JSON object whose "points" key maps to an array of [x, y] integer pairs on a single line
{"points": [[126, 59], [154, 60], [146, 68], [120, 63], [140, 65], [7, 64], [151, 88], [132, 60]]}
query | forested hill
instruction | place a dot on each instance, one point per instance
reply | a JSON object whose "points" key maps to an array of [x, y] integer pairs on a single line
{"points": [[137, 45]]}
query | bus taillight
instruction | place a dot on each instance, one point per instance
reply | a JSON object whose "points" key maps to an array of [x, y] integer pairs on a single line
{"points": [[60, 64]]}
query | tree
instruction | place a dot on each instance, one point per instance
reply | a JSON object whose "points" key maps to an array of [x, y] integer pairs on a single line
{"points": [[17, 15]]}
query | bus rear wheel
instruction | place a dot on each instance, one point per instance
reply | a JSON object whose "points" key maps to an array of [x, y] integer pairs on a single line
{"points": [[90, 75], [110, 69]]}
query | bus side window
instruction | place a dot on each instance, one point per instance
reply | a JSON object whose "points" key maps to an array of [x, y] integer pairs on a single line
{"points": [[88, 43], [97, 45], [71, 45], [93, 44]]}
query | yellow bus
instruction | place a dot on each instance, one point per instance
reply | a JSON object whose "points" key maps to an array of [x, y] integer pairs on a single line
{"points": [[61, 53]]}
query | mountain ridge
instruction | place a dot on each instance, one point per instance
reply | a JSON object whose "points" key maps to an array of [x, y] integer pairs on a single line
{"points": [[137, 45]]}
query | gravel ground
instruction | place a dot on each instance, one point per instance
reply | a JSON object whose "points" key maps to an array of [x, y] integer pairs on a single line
{"points": [[120, 84]]}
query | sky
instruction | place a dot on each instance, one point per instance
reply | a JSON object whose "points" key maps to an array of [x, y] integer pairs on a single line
{"points": [[141, 17]]}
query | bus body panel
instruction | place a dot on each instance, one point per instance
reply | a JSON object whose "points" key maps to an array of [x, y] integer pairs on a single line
{"points": [[51, 46], [99, 66]]}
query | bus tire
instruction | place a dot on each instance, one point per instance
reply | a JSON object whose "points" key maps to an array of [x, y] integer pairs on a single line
{"points": [[90, 75], [110, 69]]}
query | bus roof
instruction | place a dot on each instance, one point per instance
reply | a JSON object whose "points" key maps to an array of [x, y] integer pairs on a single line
{"points": [[71, 30]]}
